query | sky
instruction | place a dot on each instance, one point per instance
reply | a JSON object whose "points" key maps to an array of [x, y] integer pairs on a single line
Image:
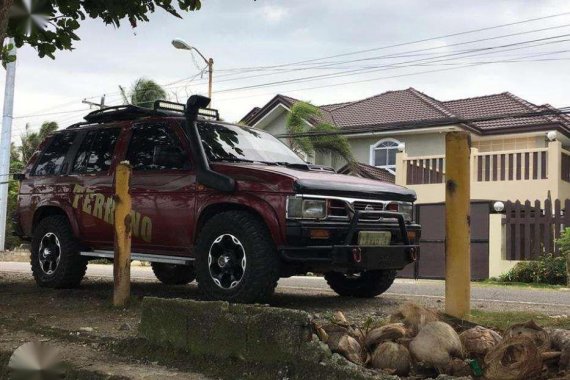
{"points": [[349, 46]]}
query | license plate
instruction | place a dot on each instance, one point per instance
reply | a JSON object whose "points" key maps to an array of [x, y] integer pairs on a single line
{"points": [[374, 238]]}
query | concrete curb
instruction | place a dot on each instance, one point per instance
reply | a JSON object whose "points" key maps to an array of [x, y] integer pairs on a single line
{"points": [[280, 338]]}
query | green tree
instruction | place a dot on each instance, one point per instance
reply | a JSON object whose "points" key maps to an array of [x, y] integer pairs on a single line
{"points": [[16, 166], [564, 245], [63, 19], [143, 93], [303, 113], [31, 140]]}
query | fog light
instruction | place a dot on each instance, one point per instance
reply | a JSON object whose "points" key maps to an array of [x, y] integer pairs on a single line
{"points": [[320, 234]]}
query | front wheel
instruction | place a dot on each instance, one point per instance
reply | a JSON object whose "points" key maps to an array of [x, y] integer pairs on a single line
{"points": [[236, 260], [361, 285], [55, 258]]}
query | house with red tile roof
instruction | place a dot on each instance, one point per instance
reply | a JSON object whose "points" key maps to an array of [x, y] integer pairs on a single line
{"points": [[520, 150]]}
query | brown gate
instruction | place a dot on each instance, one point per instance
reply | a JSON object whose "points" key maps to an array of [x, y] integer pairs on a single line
{"points": [[432, 244], [532, 230]]}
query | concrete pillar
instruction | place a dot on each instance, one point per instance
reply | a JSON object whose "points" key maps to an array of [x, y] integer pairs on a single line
{"points": [[401, 170], [554, 167]]}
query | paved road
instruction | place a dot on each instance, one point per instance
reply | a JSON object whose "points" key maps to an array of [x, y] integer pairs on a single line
{"points": [[550, 301]]}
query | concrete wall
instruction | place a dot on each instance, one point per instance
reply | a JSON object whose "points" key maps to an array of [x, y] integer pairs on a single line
{"points": [[278, 125], [416, 145], [498, 263]]}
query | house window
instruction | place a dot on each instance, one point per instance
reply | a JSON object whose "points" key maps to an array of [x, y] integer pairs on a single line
{"points": [[383, 154]]}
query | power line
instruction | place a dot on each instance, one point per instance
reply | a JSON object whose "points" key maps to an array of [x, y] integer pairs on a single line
{"points": [[357, 81], [425, 39], [482, 51], [249, 69]]}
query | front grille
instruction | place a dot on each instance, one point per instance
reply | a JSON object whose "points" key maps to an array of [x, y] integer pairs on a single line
{"points": [[368, 206]]}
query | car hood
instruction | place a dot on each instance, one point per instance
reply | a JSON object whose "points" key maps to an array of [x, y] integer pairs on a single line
{"points": [[314, 181]]}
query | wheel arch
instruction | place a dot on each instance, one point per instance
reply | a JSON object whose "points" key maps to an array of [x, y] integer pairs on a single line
{"points": [[262, 211], [47, 210]]}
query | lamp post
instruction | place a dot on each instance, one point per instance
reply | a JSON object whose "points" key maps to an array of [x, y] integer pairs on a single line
{"points": [[5, 142], [183, 45]]}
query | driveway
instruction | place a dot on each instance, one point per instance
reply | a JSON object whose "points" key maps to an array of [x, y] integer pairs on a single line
{"points": [[313, 294]]}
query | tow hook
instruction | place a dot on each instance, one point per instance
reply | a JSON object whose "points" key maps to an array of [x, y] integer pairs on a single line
{"points": [[357, 255], [413, 254]]}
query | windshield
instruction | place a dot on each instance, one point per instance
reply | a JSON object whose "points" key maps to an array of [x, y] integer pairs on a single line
{"points": [[224, 142]]}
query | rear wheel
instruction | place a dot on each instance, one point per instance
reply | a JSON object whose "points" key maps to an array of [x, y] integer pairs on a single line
{"points": [[172, 274], [362, 285], [236, 259], [55, 258]]}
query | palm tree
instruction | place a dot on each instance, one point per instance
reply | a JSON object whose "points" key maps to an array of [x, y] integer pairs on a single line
{"points": [[143, 93], [328, 143], [31, 140]]}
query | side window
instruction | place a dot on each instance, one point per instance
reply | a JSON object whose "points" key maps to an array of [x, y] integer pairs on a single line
{"points": [[156, 147], [96, 151], [51, 161]]}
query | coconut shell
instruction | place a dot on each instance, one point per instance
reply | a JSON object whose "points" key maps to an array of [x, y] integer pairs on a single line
{"points": [[531, 330], [350, 349], [414, 317], [391, 332], [340, 319], [478, 340], [459, 368], [564, 362], [392, 357], [436, 344], [333, 334], [515, 358]]}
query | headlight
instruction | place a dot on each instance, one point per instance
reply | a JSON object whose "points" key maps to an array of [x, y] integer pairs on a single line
{"points": [[405, 208], [300, 208]]}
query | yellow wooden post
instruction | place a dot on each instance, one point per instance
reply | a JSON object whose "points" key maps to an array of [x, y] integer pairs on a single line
{"points": [[122, 262], [457, 225]]}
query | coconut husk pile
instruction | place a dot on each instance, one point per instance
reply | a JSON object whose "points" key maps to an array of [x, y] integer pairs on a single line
{"points": [[417, 343]]}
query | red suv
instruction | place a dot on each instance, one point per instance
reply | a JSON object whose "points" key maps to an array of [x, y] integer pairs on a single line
{"points": [[228, 205]]}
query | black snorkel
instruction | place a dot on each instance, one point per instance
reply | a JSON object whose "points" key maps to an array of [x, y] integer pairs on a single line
{"points": [[204, 175]]}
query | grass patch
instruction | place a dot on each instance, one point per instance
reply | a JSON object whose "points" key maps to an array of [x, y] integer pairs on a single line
{"points": [[501, 320], [534, 285]]}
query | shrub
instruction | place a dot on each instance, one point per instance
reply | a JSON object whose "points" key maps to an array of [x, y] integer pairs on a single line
{"points": [[547, 269]]}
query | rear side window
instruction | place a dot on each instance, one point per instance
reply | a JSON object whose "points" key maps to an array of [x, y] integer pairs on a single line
{"points": [[156, 147], [51, 161], [96, 151]]}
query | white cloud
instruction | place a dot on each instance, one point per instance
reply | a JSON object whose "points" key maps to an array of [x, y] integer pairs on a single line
{"points": [[274, 13]]}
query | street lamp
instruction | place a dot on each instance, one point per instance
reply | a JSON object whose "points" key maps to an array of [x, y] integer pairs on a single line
{"points": [[183, 45]]}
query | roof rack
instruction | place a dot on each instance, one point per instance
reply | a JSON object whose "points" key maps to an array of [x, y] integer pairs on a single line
{"points": [[131, 112], [117, 113]]}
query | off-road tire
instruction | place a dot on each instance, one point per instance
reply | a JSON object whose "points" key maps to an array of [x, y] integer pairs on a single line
{"points": [[262, 270], [367, 285], [71, 267], [172, 274]]}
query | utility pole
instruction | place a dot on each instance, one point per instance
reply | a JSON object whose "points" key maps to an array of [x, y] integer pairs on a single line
{"points": [[210, 78], [100, 105], [5, 143], [457, 224]]}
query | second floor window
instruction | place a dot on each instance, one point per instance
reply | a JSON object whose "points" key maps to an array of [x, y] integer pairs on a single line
{"points": [[383, 154]]}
